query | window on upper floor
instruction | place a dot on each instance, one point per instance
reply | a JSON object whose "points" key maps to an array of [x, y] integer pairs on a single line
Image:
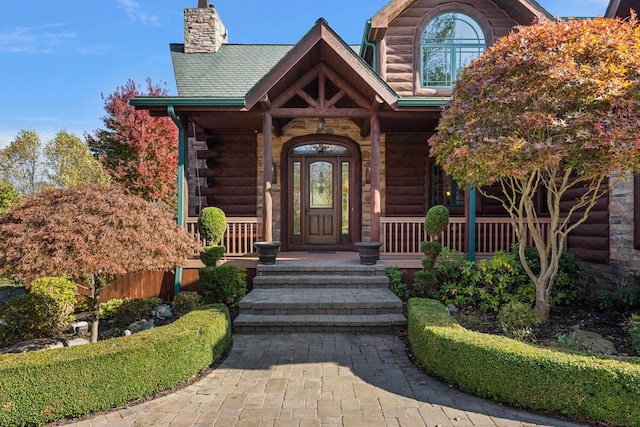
{"points": [[449, 42]]}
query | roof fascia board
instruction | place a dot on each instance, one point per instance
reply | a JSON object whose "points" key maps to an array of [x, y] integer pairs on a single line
{"points": [[144, 101], [424, 102]]}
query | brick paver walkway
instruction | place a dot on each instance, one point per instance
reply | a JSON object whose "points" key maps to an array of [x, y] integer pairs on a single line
{"points": [[318, 380]]}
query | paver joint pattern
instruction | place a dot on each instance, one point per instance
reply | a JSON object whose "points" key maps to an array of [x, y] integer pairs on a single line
{"points": [[305, 379]]}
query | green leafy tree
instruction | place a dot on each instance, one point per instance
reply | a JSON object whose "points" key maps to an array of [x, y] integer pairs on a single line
{"points": [[9, 196], [21, 163], [70, 162], [139, 151], [555, 106], [90, 233]]}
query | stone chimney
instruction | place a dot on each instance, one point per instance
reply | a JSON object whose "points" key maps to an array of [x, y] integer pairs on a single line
{"points": [[203, 29]]}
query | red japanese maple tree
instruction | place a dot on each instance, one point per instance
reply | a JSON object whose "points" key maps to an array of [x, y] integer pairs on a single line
{"points": [[556, 106], [91, 233], [138, 151]]}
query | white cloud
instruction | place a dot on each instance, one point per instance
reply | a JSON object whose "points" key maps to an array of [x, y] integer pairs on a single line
{"points": [[135, 13], [38, 39]]}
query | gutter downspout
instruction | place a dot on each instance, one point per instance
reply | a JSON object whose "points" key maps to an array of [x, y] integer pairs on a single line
{"points": [[181, 161], [366, 43]]}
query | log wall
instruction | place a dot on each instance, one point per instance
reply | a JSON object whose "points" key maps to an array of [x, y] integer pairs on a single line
{"points": [[400, 47], [231, 173], [407, 174]]}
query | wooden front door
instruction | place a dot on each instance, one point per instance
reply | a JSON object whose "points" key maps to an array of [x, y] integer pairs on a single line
{"points": [[322, 201], [322, 193]]}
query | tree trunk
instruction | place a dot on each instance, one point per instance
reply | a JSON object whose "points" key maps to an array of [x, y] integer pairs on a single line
{"points": [[542, 302], [95, 306]]}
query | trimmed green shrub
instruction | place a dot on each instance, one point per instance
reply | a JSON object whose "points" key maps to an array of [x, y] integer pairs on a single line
{"points": [[30, 316], [523, 375], [396, 285], [212, 223], [437, 220], [518, 319], [211, 254], [40, 387], [62, 290], [109, 309], [225, 284], [132, 310], [185, 302]]}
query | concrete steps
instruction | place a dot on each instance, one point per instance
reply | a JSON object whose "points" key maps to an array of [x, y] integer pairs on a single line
{"points": [[320, 296]]}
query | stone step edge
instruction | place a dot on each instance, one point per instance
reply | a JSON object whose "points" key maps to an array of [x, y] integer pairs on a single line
{"points": [[365, 270], [369, 311], [372, 320], [307, 286], [321, 278]]}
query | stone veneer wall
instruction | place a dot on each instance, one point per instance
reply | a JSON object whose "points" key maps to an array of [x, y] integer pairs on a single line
{"points": [[623, 257], [302, 127], [203, 30]]}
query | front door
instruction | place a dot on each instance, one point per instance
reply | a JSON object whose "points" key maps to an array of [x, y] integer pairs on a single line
{"points": [[323, 202], [321, 209]]}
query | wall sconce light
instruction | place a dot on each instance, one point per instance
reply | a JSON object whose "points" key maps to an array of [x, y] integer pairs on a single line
{"points": [[367, 175], [322, 126], [274, 173]]}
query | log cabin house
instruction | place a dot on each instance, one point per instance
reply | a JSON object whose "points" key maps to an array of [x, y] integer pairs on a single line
{"points": [[321, 144]]}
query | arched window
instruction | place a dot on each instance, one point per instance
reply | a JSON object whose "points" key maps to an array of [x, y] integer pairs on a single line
{"points": [[449, 42]]}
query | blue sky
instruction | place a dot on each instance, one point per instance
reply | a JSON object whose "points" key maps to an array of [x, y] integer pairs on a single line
{"points": [[57, 58]]}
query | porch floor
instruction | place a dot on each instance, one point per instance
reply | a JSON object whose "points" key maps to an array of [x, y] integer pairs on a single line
{"points": [[251, 260]]}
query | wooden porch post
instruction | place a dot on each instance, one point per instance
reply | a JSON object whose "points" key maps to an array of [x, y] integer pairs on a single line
{"points": [[375, 178], [267, 161]]}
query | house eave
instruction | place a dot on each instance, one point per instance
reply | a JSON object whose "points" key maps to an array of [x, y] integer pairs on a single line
{"points": [[440, 101], [150, 102]]}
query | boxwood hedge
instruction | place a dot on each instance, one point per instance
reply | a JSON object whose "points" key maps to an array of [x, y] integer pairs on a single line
{"points": [[39, 387], [523, 375]]}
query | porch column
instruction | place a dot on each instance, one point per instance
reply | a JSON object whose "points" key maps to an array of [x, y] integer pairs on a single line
{"points": [[267, 162], [471, 223], [375, 178]]}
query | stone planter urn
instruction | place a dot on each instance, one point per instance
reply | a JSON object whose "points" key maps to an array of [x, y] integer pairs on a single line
{"points": [[369, 252], [267, 251]]}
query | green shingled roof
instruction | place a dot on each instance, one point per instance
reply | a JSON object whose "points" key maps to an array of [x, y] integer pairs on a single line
{"points": [[229, 73]]}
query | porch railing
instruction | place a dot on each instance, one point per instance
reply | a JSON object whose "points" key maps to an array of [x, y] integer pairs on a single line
{"points": [[402, 235], [239, 238]]}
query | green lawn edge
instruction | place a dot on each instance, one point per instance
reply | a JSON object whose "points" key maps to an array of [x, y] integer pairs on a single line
{"points": [[579, 386], [40, 387]]}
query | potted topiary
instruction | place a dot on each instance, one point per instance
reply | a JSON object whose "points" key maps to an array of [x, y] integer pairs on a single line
{"points": [[435, 222], [212, 224]]}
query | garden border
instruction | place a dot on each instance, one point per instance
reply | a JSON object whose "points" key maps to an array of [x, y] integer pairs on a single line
{"points": [[39, 387], [580, 386]]}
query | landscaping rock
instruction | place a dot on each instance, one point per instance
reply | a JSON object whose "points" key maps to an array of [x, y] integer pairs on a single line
{"points": [[35, 344], [126, 333], [590, 341], [79, 327], [162, 312], [141, 325], [75, 341]]}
